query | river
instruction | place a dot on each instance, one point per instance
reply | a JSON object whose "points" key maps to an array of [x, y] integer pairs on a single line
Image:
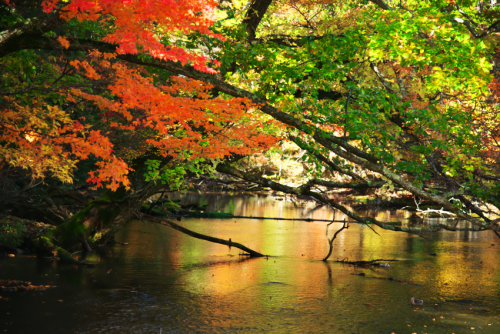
{"points": [[164, 279]]}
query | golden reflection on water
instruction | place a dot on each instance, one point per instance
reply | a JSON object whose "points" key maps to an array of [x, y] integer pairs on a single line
{"points": [[462, 279]]}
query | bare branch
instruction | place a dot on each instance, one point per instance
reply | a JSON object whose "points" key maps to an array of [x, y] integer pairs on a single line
{"points": [[330, 241], [381, 78]]}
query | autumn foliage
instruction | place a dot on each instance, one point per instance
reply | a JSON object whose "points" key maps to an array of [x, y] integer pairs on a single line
{"points": [[181, 119], [139, 26], [178, 119]]}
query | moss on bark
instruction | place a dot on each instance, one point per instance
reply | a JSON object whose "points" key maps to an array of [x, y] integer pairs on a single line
{"points": [[93, 225]]}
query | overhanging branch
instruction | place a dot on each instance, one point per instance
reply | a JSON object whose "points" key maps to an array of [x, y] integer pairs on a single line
{"points": [[305, 190], [336, 145]]}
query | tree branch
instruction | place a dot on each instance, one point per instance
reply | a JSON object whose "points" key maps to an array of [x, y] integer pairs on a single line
{"points": [[254, 15], [184, 230], [381, 4], [325, 160], [304, 190], [336, 145], [366, 185], [330, 241]]}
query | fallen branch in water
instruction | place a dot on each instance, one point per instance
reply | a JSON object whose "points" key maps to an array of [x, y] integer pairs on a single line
{"points": [[366, 263], [393, 226], [184, 230], [224, 215], [330, 241], [305, 190]]}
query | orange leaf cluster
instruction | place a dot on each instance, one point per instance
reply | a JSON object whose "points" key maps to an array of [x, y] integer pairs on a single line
{"points": [[64, 42], [140, 24], [183, 116], [44, 139]]}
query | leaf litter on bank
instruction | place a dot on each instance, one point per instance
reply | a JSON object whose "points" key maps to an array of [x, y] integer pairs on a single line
{"points": [[16, 285]]}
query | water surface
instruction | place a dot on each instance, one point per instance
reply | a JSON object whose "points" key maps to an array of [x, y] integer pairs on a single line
{"points": [[166, 279]]}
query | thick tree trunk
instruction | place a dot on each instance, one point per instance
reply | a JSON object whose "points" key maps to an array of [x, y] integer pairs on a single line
{"points": [[94, 225]]}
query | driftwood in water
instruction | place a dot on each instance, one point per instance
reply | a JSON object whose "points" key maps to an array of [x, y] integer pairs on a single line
{"points": [[184, 230], [366, 263]]}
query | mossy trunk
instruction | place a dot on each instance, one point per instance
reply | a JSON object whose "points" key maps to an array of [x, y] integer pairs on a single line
{"points": [[94, 225]]}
